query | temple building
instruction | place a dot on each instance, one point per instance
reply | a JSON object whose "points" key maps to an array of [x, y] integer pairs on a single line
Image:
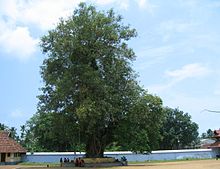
{"points": [[10, 151], [216, 145]]}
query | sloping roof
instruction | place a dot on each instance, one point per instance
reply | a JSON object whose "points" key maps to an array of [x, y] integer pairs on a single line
{"points": [[215, 145], [8, 145], [206, 141]]}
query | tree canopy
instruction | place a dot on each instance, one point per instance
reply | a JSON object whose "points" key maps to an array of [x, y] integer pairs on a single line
{"points": [[91, 98], [12, 131], [178, 130], [209, 134]]}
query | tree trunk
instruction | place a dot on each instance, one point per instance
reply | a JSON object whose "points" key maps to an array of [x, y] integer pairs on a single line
{"points": [[94, 148]]}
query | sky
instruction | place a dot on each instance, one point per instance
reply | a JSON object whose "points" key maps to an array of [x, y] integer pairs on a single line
{"points": [[177, 49]]}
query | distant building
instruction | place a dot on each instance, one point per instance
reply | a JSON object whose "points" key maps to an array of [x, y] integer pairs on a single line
{"points": [[205, 143], [10, 150], [216, 145]]}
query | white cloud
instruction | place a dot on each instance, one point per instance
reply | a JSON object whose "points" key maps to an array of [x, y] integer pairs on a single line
{"points": [[176, 26], [18, 43], [9, 8], [46, 13], [146, 4], [171, 28], [194, 70], [123, 4], [42, 13], [105, 2], [153, 55], [16, 17], [188, 71], [158, 88], [17, 114], [158, 52], [141, 3]]}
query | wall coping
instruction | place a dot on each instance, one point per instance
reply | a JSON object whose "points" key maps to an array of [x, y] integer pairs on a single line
{"points": [[117, 152], [180, 151]]}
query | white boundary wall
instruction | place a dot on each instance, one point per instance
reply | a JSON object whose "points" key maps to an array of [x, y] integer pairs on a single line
{"points": [[154, 155]]}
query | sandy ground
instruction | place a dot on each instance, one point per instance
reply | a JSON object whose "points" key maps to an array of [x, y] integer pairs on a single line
{"points": [[200, 164]]}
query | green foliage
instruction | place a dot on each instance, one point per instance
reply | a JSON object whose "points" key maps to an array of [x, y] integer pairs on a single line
{"points": [[209, 134], [50, 132], [12, 131], [13, 134], [3, 127], [28, 138], [90, 97], [178, 130], [139, 132]]}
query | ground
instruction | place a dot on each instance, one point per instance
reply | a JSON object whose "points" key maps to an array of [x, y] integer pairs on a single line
{"points": [[198, 164]]}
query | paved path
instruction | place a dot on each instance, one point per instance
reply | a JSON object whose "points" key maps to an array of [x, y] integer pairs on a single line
{"points": [[200, 164], [18, 167], [9, 166]]}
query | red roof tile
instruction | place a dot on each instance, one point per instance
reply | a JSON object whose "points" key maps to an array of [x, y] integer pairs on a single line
{"points": [[217, 133], [215, 145], [8, 145]]}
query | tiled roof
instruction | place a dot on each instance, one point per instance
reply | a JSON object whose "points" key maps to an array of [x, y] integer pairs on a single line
{"points": [[217, 133], [215, 145], [8, 145]]}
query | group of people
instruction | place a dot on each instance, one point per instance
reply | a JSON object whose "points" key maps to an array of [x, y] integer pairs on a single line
{"points": [[79, 162], [65, 160]]}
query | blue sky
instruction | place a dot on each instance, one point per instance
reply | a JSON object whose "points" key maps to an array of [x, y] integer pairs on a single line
{"points": [[177, 48]]}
